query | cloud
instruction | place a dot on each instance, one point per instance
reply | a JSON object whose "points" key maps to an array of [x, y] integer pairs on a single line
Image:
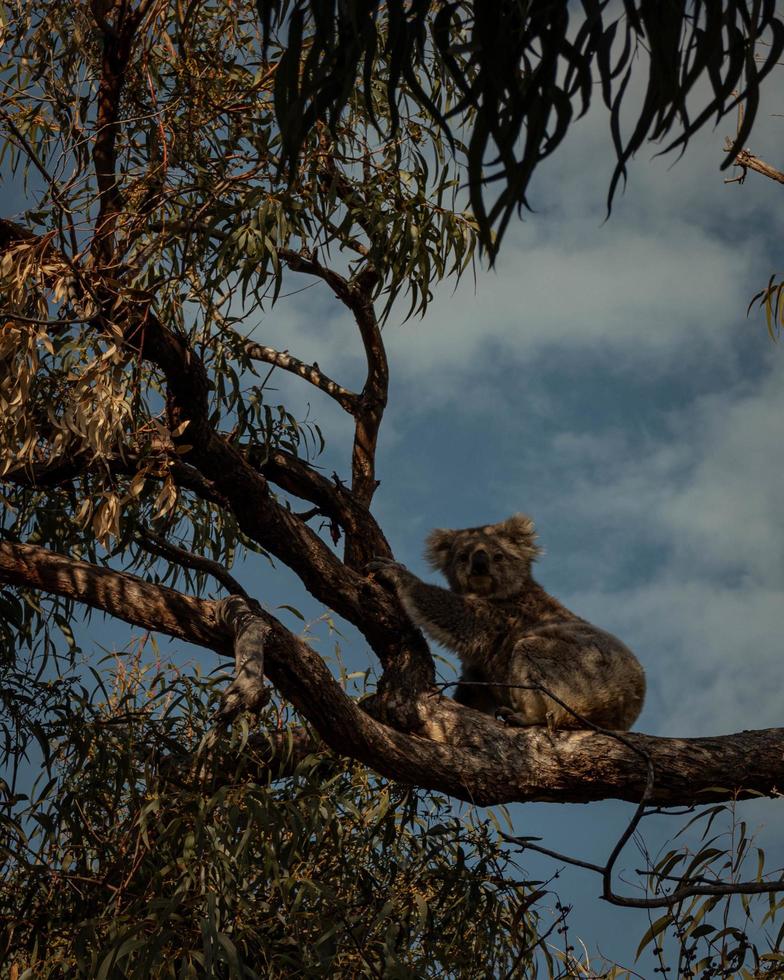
{"points": [[619, 288], [708, 615]]}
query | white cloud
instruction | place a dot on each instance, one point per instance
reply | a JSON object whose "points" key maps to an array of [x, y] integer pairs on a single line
{"points": [[712, 481], [617, 287]]}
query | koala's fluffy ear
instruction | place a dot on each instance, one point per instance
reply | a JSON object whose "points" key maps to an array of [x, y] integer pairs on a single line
{"points": [[438, 547], [519, 529]]}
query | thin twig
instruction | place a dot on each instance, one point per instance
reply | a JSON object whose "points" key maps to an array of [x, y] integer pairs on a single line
{"points": [[159, 545]]}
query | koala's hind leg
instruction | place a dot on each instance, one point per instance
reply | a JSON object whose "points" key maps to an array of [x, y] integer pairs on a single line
{"points": [[475, 695]]}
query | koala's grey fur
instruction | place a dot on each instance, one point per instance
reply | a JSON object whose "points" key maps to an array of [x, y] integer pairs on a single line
{"points": [[508, 630]]}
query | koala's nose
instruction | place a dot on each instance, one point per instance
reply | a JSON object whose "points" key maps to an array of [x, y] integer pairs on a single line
{"points": [[480, 563]]}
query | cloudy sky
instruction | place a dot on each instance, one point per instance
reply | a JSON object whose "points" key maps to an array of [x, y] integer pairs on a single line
{"points": [[605, 379]]}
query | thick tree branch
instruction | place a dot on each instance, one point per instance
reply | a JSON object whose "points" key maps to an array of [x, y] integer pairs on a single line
{"points": [[455, 750], [283, 534], [473, 757], [245, 620], [372, 405], [582, 766], [154, 607], [118, 20], [218, 471]]}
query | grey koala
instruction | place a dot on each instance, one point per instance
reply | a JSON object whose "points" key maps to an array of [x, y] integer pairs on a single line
{"points": [[508, 630]]}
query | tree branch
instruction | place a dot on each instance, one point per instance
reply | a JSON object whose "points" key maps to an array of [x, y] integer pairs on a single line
{"points": [[454, 749], [310, 372], [158, 545], [117, 46], [297, 477], [372, 404], [357, 295], [362, 602], [217, 470], [747, 161], [154, 607]]}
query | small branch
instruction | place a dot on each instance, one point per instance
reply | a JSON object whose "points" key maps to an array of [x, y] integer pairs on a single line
{"points": [[527, 844], [65, 470], [54, 189], [297, 477], [747, 161], [368, 408], [310, 372], [181, 556], [307, 263]]}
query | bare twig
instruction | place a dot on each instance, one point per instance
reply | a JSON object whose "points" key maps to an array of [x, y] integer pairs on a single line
{"points": [[747, 161], [310, 372]]}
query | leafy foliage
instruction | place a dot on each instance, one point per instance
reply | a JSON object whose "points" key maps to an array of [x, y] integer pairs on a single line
{"points": [[522, 71], [710, 934], [117, 866], [204, 222], [770, 300]]}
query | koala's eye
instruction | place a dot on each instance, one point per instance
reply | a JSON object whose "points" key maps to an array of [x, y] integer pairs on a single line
{"points": [[463, 557], [499, 556]]}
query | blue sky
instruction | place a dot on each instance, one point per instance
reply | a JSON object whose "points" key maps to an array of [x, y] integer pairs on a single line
{"points": [[604, 379]]}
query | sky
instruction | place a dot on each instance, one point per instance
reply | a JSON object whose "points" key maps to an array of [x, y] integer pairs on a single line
{"points": [[605, 379]]}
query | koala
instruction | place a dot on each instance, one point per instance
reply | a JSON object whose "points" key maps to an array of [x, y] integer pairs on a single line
{"points": [[508, 630]]}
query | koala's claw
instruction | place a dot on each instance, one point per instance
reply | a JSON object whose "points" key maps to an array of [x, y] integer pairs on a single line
{"points": [[511, 717]]}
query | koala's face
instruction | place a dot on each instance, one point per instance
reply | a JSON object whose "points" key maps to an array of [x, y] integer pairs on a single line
{"points": [[492, 561], [481, 565]]}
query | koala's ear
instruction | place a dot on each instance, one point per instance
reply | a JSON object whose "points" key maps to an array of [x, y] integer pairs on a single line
{"points": [[521, 532], [438, 547]]}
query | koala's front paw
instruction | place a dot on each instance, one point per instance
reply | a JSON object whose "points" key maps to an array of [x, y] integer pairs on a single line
{"points": [[386, 569]]}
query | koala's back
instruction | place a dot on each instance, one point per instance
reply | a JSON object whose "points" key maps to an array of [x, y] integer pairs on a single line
{"points": [[588, 669]]}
